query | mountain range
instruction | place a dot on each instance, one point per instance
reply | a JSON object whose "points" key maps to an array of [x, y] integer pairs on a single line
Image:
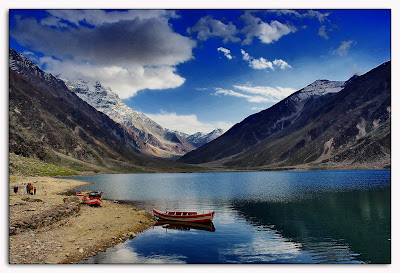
{"points": [[160, 142], [199, 139], [327, 124], [87, 127]]}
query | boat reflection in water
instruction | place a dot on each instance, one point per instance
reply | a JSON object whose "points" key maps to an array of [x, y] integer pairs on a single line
{"points": [[185, 225]]}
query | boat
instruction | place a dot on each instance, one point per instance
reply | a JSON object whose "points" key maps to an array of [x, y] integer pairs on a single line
{"points": [[94, 202], [89, 193], [96, 194], [184, 216], [91, 198]]}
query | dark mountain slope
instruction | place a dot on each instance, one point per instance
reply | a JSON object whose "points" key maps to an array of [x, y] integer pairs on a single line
{"points": [[49, 122], [350, 127], [264, 124]]}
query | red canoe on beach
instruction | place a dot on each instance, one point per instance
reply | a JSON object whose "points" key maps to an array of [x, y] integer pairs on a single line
{"points": [[91, 198], [95, 202], [184, 216]]}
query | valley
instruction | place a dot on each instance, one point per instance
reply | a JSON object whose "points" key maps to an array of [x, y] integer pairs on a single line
{"points": [[90, 130]]}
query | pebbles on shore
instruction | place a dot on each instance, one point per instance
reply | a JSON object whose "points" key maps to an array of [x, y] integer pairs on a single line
{"points": [[60, 229]]}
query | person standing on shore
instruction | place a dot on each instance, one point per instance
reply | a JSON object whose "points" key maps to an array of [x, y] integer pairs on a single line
{"points": [[16, 188], [29, 189]]}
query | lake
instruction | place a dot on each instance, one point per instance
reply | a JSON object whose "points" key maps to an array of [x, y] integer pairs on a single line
{"points": [[260, 217]]}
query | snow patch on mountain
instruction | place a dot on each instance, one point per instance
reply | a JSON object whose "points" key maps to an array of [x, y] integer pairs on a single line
{"points": [[199, 139], [162, 142], [106, 101], [25, 67], [318, 88], [298, 100]]}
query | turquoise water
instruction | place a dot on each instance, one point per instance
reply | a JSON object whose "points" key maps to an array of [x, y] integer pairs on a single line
{"points": [[261, 217]]}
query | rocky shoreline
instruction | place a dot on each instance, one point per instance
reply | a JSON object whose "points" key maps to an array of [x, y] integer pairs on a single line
{"points": [[50, 227]]}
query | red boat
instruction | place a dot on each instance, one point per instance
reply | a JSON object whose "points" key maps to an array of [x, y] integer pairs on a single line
{"points": [[92, 201], [91, 198], [184, 216]]}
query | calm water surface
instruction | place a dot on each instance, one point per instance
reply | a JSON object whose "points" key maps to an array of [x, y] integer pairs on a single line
{"points": [[261, 217]]}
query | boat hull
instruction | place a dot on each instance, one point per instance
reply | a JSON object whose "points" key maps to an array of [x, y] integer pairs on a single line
{"points": [[190, 217], [95, 202]]}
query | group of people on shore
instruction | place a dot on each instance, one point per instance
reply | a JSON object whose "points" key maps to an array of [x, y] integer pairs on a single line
{"points": [[29, 189]]}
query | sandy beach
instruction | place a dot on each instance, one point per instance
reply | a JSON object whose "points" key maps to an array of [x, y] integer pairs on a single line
{"points": [[68, 231]]}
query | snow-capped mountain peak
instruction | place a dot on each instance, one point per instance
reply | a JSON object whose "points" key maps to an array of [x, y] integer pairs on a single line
{"points": [[198, 139], [159, 141], [105, 100], [25, 67], [318, 88]]}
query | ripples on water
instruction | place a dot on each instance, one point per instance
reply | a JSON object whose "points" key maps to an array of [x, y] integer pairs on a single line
{"points": [[261, 217]]}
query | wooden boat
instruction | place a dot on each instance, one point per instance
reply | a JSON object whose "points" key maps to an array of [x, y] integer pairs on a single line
{"points": [[184, 216]]}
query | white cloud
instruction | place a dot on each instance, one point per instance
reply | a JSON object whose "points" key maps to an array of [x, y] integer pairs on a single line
{"points": [[322, 32], [267, 33], [344, 47], [226, 52], [281, 64], [266, 247], [207, 27], [249, 98], [139, 46], [126, 82], [30, 55], [316, 14], [186, 123], [275, 93], [246, 55], [257, 94], [262, 63], [322, 17]]}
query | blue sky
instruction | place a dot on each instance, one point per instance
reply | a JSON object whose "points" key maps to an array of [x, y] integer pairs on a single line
{"points": [[196, 70]]}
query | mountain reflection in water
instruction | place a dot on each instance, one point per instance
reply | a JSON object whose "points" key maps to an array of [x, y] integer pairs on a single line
{"points": [[356, 220], [260, 217]]}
